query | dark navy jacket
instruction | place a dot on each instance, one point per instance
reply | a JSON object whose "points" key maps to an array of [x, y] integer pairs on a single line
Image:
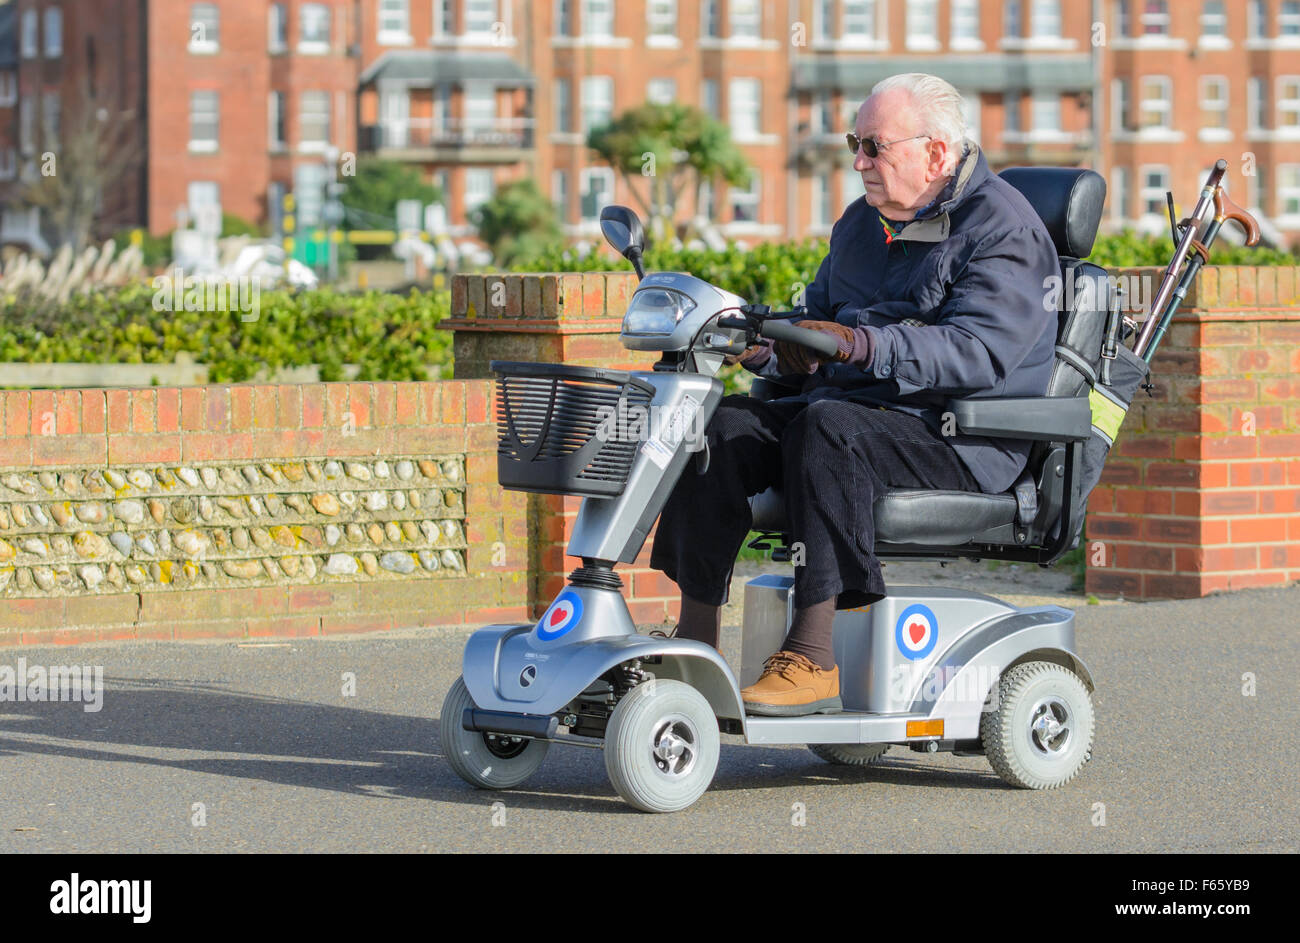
{"points": [[954, 306]]}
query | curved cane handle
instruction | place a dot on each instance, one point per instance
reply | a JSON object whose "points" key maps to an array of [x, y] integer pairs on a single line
{"points": [[1226, 209]]}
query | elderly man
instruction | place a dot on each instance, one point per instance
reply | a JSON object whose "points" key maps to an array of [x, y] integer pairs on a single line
{"points": [[932, 289]]}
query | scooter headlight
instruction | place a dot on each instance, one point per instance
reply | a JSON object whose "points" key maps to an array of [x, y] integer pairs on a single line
{"points": [[656, 311]]}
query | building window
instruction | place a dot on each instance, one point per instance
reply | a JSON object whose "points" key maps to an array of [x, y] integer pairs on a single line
{"points": [[1013, 26], [8, 88], [314, 121], [1119, 194], [395, 116], [1288, 103], [1047, 19], [704, 202], [1256, 20], [1260, 190], [1047, 112], [480, 17], [744, 200], [965, 24], [819, 113], [744, 107], [444, 18], [1214, 102], [922, 24], [27, 124], [51, 107], [597, 192], [661, 19], [478, 188], [560, 193], [970, 111], [824, 20], [480, 107], [205, 28], [313, 28], [859, 21], [821, 200], [598, 18], [1155, 18], [203, 199], [204, 121], [53, 32], [597, 102], [277, 28], [745, 17], [1288, 20], [1155, 183], [711, 19], [1123, 19], [1121, 106], [31, 41], [8, 164], [563, 18], [661, 92], [709, 102], [1214, 22], [275, 120], [394, 22], [441, 108], [850, 186], [563, 107], [1256, 104], [1288, 189], [1011, 113], [1157, 107]]}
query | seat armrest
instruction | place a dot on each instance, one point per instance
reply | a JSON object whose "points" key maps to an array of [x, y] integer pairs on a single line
{"points": [[1043, 418]]}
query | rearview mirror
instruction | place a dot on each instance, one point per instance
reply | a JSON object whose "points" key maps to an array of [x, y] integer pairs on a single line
{"points": [[622, 230]]}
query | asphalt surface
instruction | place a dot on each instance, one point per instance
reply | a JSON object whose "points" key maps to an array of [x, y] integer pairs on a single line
{"points": [[282, 760]]}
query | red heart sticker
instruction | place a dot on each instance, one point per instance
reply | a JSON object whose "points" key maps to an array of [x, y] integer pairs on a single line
{"points": [[917, 631], [557, 615]]}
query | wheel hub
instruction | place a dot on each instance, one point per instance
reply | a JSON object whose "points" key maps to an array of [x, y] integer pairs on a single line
{"points": [[504, 746], [1050, 730], [673, 743]]}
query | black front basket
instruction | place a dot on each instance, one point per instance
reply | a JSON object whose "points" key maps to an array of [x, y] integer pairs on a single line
{"points": [[562, 429]]}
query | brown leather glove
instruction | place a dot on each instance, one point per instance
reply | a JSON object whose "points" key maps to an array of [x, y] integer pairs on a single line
{"points": [[795, 358], [753, 357]]}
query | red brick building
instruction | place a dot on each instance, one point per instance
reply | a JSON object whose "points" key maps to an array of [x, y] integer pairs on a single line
{"points": [[238, 98]]}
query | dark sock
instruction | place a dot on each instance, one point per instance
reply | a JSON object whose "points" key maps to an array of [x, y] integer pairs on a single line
{"points": [[810, 634], [699, 621]]}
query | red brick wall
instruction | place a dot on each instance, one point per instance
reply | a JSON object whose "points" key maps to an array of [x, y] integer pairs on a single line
{"points": [[1202, 490]]}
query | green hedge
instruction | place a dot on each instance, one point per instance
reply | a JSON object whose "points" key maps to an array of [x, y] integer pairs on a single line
{"points": [[390, 337]]}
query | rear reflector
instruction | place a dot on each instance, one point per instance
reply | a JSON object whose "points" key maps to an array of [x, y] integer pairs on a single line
{"points": [[925, 728]]}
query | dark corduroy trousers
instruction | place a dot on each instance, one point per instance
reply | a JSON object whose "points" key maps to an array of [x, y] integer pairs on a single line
{"points": [[830, 458]]}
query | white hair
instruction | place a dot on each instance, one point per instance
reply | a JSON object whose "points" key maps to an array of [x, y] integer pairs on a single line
{"points": [[938, 107]]}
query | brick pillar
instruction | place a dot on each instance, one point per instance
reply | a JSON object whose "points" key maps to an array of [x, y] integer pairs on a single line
{"points": [[571, 318], [1202, 490]]}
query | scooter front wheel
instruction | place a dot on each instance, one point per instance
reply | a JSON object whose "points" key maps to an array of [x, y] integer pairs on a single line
{"points": [[661, 746], [485, 760], [850, 754]]}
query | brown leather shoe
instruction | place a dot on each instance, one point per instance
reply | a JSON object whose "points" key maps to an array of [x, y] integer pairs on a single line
{"points": [[791, 686]]}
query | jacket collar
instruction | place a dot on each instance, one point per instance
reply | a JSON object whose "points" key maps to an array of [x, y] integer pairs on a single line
{"points": [[932, 223]]}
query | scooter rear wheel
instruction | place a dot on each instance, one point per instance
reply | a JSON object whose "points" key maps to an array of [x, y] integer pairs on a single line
{"points": [[486, 761], [850, 754], [661, 746]]}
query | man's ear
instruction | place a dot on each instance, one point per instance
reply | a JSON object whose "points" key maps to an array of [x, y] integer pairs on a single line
{"points": [[938, 159]]}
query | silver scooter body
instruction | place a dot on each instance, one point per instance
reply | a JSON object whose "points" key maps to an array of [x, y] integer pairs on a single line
{"points": [[921, 661]]}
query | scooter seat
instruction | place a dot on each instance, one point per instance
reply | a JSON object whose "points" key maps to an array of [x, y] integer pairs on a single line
{"points": [[911, 516]]}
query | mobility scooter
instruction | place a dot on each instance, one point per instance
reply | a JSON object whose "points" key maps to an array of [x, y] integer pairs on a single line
{"points": [[933, 669]]}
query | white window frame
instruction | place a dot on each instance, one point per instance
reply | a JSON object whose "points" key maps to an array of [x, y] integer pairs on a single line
{"points": [[1041, 103], [563, 106], [1119, 194], [1288, 15], [972, 112], [589, 8], [1288, 108], [820, 215], [30, 29], [711, 98], [922, 25], [27, 124], [820, 118], [1012, 124], [1122, 26], [965, 11], [1040, 37], [850, 185], [277, 119], [314, 46], [1219, 105], [1287, 190], [1256, 107], [53, 32], [393, 26], [710, 21], [205, 145], [197, 208], [588, 175], [742, 92], [482, 35], [1013, 18], [8, 88], [656, 88], [208, 45], [479, 101], [1218, 40], [592, 91], [871, 34], [1158, 20], [8, 163], [1256, 24], [661, 24], [1153, 220], [475, 193], [1121, 101], [51, 119], [277, 28], [1163, 106], [306, 98], [751, 196], [1037, 30], [560, 193], [823, 22], [746, 26]]}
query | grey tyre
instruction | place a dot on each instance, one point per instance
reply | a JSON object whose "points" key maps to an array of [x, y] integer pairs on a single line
{"points": [[486, 761], [661, 746], [1040, 734], [850, 754]]}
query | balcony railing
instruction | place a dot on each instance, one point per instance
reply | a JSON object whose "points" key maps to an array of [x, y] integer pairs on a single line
{"points": [[454, 133]]}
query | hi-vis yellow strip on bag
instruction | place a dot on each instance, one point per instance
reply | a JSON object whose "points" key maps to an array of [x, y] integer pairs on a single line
{"points": [[1107, 415]]}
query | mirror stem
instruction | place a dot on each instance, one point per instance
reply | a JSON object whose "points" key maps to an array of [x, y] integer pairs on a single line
{"points": [[634, 256]]}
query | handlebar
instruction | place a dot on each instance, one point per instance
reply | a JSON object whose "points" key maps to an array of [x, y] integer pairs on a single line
{"points": [[823, 344]]}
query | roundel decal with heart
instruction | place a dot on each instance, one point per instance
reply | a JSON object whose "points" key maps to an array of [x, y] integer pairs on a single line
{"points": [[564, 614], [917, 632]]}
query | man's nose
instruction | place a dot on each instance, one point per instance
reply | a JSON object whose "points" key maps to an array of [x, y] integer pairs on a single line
{"points": [[861, 162]]}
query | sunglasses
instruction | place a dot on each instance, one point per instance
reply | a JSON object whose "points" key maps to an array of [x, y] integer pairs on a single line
{"points": [[872, 146]]}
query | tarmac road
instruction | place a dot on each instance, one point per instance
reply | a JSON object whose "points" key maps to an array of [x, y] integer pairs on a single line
{"points": [[281, 760]]}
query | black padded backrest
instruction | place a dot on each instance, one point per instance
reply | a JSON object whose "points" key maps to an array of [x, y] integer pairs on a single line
{"points": [[1068, 200]]}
